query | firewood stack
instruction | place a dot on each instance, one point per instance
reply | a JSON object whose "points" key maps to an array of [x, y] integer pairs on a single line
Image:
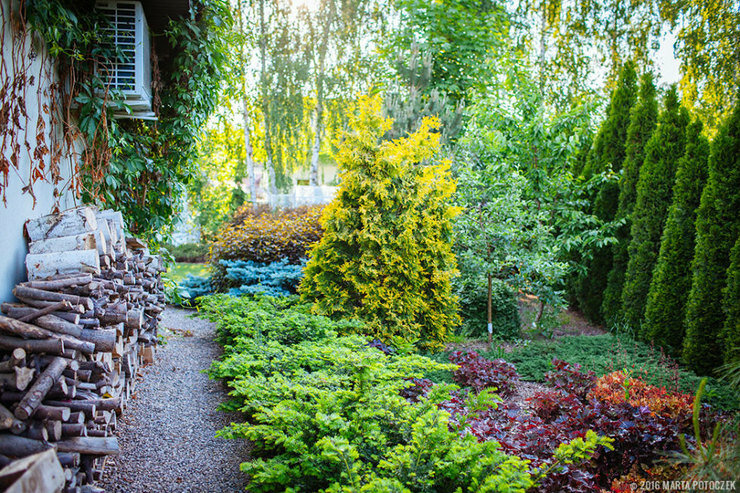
{"points": [[70, 350]]}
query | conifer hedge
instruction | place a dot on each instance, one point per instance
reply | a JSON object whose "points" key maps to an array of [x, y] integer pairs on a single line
{"points": [[654, 193], [608, 152], [666, 304], [731, 305], [717, 230], [386, 254], [643, 118]]}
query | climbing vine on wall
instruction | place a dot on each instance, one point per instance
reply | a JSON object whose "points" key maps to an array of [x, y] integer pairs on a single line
{"points": [[133, 165]]}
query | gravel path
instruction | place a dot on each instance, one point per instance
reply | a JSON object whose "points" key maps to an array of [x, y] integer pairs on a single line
{"points": [[167, 434]]}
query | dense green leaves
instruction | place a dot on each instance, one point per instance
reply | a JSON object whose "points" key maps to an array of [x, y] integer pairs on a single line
{"points": [[654, 194], [607, 155], [643, 118], [717, 230], [708, 45], [386, 254], [457, 36], [665, 310], [731, 307], [325, 412], [522, 209]]}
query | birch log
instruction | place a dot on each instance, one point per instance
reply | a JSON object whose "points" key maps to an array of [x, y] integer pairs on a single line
{"points": [[84, 241], [67, 223], [43, 265]]}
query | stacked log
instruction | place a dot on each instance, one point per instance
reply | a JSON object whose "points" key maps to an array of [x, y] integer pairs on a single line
{"points": [[70, 349]]}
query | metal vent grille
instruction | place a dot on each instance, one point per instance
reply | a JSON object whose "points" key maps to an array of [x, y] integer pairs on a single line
{"points": [[121, 74]]}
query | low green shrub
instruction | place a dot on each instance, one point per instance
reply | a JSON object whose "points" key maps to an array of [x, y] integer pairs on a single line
{"points": [[472, 293], [608, 353], [188, 252], [325, 412]]}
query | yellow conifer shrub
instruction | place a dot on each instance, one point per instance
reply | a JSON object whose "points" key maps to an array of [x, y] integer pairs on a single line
{"points": [[386, 253]]}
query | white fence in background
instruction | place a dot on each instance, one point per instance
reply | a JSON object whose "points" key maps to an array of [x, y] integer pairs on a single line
{"points": [[303, 195]]}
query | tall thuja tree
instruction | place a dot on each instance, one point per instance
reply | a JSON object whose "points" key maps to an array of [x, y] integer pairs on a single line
{"points": [[731, 330], [717, 229], [607, 154], [386, 254], [643, 118], [666, 305], [654, 194]]}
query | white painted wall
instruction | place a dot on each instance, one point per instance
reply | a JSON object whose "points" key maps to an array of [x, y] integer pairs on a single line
{"points": [[19, 206]]}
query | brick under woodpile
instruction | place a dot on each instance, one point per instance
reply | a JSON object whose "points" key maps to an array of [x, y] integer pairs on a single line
{"points": [[71, 348]]}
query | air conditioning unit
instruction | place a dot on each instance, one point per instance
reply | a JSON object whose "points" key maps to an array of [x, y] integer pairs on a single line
{"points": [[132, 74]]}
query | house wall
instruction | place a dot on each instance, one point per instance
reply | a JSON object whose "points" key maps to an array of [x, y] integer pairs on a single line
{"points": [[18, 205]]}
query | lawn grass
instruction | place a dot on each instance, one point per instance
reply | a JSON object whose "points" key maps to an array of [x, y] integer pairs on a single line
{"points": [[180, 270]]}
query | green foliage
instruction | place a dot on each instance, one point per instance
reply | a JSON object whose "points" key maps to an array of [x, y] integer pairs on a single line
{"points": [[731, 307], [580, 449], [151, 162], [138, 166], [665, 312], [609, 149], [457, 36], [717, 230], [654, 194], [188, 252], [607, 353], [522, 209], [716, 459], [643, 119], [386, 255], [707, 46], [471, 289], [607, 155], [265, 236], [324, 411], [214, 192]]}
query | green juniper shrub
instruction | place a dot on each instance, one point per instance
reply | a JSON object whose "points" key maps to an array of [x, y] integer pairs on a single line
{"points": [[717, 230], [643, 119], [654, 194], [472, 293], [665, 311], [608, 153]]}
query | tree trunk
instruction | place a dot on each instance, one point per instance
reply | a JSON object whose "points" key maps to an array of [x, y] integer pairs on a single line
{"points": [[90, 445], [490, 309], [84, 241], [272, 185], [318, 124]]}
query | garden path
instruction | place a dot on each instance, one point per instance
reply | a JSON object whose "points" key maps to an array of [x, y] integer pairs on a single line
{"points": [[167, 434]]}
